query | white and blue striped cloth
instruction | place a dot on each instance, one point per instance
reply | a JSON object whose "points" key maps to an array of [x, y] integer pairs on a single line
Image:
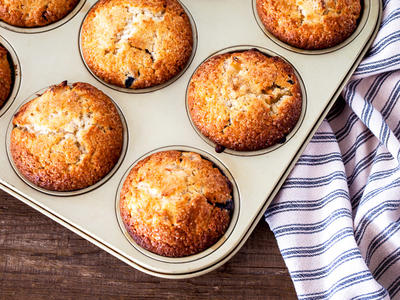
{"points": [[337, 217]]}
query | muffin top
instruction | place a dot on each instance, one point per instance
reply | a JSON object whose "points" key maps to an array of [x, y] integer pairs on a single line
{"points": [[5, 76], [34, 13], [244, 100], [176, 203], [310, 24], [68, 138], [136, 43]]}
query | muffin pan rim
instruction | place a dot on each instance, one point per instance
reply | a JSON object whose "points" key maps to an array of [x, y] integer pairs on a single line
{"points": [[362, 21], [41, 29], [154, 88], [16, 75], [234, 216], [268, 53], [78, 192]]}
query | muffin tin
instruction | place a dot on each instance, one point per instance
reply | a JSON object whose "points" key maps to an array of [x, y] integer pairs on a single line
{"points": [[157, 119]]}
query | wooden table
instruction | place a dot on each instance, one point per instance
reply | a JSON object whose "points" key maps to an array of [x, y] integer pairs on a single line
{"points": [[40, 259]]}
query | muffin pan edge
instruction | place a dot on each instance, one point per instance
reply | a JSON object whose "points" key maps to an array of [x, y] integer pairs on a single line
{"points": [[159, 119]]}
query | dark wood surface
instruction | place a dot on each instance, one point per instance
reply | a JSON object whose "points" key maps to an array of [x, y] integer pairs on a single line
{"points": [[40, 259]]}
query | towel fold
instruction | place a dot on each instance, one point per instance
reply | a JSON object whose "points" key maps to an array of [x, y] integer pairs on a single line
{"points": [[337, 216]]}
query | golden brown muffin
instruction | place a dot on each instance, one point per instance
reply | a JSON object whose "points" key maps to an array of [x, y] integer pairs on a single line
{"points": [[34, 13], [68, 138], [176, 203], [136, 43], [310, 24], [5, 76], [244, 100]]}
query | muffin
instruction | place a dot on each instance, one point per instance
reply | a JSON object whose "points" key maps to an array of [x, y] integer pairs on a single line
{"points": [[176, 203], [310, 24], [68, 138], [34, 13], [136, 43], [244, 100], [5, 76]]}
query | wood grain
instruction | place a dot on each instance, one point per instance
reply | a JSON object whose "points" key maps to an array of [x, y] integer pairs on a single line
{"points": [[40, 259]]}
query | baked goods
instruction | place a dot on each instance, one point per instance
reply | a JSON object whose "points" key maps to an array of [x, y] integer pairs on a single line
{"points": [[68, 138], [136, 43], [244, 100], [5, 76], [310, 24], [34, 13], [176, 203]]}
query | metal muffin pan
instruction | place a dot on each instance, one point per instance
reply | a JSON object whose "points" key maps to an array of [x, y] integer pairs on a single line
{"points": [[159, 120]]}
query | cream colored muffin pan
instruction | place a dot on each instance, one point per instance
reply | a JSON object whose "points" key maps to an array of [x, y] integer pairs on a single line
{"points": [[157, 119]]}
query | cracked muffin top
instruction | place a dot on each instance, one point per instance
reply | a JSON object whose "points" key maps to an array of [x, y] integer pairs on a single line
{"points": [[310, 24], [5, 76], [176, 203], [34, 13], [136, 43], [244, 101], [68, 138]]}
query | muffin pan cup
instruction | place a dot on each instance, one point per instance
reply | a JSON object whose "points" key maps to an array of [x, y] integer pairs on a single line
{"points": [[48, 27], [158, 119], [268, 149], [15, 73], [75, 192], [156, 87], [234, 216], [362, 21]]}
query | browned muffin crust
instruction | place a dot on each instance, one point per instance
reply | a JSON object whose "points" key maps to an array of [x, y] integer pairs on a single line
{"points": [[34, 13], [5, 76], [310, 24], [176, 203], [245, 100], [136, 43], [68, 138]]}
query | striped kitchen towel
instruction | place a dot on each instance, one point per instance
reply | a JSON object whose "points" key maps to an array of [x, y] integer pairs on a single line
{"points": [[337, 217]]}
